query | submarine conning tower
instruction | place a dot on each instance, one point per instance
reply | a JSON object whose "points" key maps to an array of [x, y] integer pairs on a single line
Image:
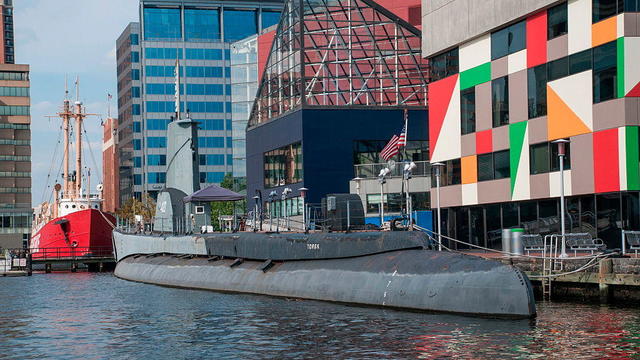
{"points": [[181, 177]]}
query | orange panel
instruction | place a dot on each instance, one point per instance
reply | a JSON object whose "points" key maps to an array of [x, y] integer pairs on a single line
{"points": [[604, 31], [469, 169], [562, 121]]}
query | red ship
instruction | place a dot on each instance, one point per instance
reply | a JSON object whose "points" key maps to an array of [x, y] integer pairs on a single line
{"points": [[74, 224]]}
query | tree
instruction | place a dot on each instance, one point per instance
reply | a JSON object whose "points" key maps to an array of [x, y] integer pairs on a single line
{"points": [[225, 207], [133, 206]]}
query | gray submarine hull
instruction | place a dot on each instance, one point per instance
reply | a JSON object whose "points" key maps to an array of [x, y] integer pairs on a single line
{"points": [[384, 269]]}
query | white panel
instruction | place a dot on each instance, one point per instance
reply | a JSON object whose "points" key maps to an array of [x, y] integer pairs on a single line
{"points": [[517, 61], [475, 53], [579, 25], [449, 144], [622, 157], [554, 183], [577, 92], [620, 26], [470, 194], [631, 59], [522, 186]]}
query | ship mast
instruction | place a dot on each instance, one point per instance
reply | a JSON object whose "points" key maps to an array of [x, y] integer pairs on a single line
{"points": [[66, 116], [79, 116]]}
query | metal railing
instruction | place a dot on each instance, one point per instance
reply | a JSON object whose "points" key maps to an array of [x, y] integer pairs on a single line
{"points": [[372, 170], [71, 253]]}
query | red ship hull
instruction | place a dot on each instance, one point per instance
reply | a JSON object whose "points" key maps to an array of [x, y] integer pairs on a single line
{"points": [[81, 233]]}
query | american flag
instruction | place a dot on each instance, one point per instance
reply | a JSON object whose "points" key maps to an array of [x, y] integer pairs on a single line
{"points": [[402, 140], [391, 149]]}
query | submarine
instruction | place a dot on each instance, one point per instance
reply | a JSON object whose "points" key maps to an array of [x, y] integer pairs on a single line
{"points": [[389, 269]]}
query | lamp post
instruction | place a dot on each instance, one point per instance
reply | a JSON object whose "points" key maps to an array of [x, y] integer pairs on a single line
{"points": [[272, 196], [561, 154], [303, 195], [285, 194], [255, 213], [357, 180], [438, 166], [406, 174], [381, 179]]}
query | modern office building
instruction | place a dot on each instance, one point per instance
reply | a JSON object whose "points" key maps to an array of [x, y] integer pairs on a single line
{"points": [[7, 55], [110, 171], [199, 34], [333, 91], [509, 79]]}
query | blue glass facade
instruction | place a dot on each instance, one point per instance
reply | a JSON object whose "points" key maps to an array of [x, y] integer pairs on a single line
{"points": [[200, 24], [233, 32], [162, 24]]}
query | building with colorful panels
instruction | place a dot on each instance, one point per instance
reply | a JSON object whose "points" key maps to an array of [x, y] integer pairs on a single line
{"points": [[509, 78]]}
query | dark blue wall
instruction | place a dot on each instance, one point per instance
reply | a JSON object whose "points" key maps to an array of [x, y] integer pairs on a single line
{"points": [[327, 144]]}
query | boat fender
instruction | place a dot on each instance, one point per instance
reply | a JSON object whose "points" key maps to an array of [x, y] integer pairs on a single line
{"points": [[237, 262], [266, 265], [214, 258]]}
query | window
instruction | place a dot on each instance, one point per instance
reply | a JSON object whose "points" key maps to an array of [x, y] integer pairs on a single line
{"points": [[162, 23], [211, 159], [557, 21], [204, 54], [135, 92], [14, 110], [211, 177], [444, 65], [211, 142], [19, 76], [134, 39], [156, 160], [135, 57], [156, 177], [603, 9], [136, 127], [558, 68], [135, 109], [137, 144], [157, 124], [200, 24], [537, 91], [283, 166], [163, 53], [631, 5], [137, 161], [270, 18], [604, 72], [508, 40], [500, 101], [135, 74], [494, 166], [14, 91], [239, 24], [468, 110], [580, 62], [544, 158], [137, 179], [450, 174], [155, 142]]}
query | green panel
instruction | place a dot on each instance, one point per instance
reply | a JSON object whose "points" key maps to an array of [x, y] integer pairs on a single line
{"points": [[516, 140], [477, 75], [633, 158], [620, 56]]}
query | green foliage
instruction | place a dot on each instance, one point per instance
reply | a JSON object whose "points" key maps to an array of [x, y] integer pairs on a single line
{"points": [[133, 206], [219, 208]]}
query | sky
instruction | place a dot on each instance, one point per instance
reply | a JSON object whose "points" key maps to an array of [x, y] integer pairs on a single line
{"points": [[72, 38]]}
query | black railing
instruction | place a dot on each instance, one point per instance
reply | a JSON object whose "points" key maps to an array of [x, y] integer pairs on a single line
{"points": [[71, 253]]}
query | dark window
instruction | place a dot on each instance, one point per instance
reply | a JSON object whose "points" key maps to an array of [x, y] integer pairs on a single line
{"points": [[468, 110], [283, 166], [529, 217], [501, 163], [558, 68], [162, 23], [603, 9], [555, 160], [548, 217], [443, 65], [450, 174], [631, 5], [539, 155], [557, 21], [421, 201], [415, 15], [608, 218], [500, 101], [580, 62], [508, 40], [604, 72], [509, 214], [485, 167], [494, 226], [537, 91], [239, 24]]}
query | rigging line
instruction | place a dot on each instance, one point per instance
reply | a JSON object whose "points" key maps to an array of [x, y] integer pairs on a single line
{"points": [[59, 169], [93, 158], [53, 161]]}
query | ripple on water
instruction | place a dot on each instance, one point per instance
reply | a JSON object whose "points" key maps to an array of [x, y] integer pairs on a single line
{"points": [[97, 316]]}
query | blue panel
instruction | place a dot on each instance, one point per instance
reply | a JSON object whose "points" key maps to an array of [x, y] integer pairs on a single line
{"points": [[135, 92], [137, 161], [137, 144], [135, 57], [157, 124], [137, 179], [229, 159], [269, 18], [135, 109], [136, 127], [155, 142], [211, 142], [239, 24], [135, 74], [201, 24], [134, 39], [162, 24]]}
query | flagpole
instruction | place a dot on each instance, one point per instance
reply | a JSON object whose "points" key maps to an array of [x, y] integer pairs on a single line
{"points": [[406, 133]]}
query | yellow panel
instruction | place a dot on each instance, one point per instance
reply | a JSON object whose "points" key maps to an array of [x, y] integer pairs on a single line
{"points": [[469, 169], [562, 121], [604, 31]]}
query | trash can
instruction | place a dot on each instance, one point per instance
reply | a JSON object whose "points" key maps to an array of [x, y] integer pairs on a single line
{"points": [[517, 247], [506, 240]]}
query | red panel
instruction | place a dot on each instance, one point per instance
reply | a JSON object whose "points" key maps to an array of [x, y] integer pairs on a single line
{"points": [[440, 93], [606, 169], [635, 92], [537, 39], [264, 48], [484, 142], [401, 9]]}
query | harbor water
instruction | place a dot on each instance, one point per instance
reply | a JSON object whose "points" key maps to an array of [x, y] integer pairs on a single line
{"points": [[98, 316]]}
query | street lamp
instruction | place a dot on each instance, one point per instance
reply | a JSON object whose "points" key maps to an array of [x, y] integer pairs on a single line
{"points": [[438, 167], [285, 194], [255, 214], [381, 179], [357, 180], [406, 174], [561, 154], [272, 196], [303, 195]]}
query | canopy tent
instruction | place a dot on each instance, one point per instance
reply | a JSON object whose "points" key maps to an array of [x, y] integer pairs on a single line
{"points": [[213, 193]]}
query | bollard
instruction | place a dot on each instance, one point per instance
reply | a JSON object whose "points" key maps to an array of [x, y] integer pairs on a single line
{"points": [[605, 269], [517, 247], [506, 241]]}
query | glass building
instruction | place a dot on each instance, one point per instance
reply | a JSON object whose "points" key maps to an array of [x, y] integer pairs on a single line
{"points": [[198, 34]]}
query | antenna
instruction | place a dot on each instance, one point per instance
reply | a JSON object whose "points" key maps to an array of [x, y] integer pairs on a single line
{"points": [[66, 88], [77, 88]]}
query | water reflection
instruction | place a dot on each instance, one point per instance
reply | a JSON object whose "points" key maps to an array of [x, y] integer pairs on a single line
{"points": [[98, 316]]}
